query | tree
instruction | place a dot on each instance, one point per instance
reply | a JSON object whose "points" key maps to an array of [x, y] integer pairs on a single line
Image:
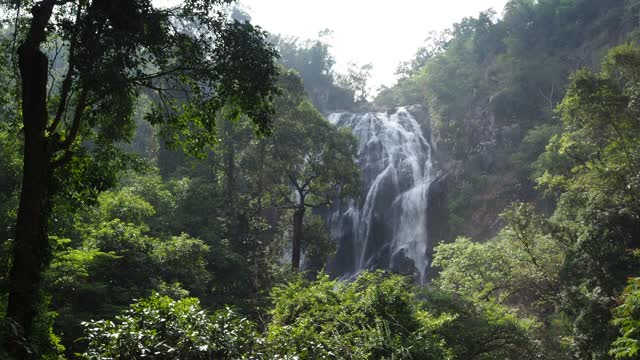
{"points": [[189, 58], [312, 59], [161, 328], [311, 162], [599, 149], [521, 266], [374, 317], [113, 258], [518, 269], [482, 329], [626, 317], [357, 79]]}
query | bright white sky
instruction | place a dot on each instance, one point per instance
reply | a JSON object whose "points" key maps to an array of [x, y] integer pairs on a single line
{"points": [[383, 33]]}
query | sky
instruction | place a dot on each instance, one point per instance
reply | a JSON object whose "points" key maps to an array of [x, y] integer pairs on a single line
{"points": [[383, 33]]}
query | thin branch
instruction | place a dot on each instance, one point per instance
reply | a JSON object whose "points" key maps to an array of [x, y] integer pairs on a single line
{"points": [[294, 182], [51, 74], [177, 87], [148, 77], [316, 205], [68, 80], [307, 183], [77, 120], [167, 108]]}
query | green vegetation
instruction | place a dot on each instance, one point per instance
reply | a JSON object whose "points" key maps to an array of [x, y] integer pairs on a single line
{"points": [[164, 189], [567, 269], [377, 316], [491, 86], [313, 61], [161, 328], [626, 317], [309, 155]]}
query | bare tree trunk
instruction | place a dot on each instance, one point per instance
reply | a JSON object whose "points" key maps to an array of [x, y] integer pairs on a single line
{"points": [[298, 217], [31, 249]]}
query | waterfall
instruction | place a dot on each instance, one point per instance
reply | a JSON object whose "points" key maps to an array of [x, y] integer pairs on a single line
{"points": [[387, 226]]}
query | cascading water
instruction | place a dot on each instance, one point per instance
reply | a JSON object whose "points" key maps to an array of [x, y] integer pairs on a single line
{"points": [[387, 227]]}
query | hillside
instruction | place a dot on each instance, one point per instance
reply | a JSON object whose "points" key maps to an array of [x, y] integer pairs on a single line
{"points": [[491, 84]]}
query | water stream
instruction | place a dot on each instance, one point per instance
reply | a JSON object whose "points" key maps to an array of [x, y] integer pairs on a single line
{"points": [[387, 227]]}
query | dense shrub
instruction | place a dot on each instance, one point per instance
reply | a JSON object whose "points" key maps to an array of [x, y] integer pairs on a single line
{"points": [[161, 328]]}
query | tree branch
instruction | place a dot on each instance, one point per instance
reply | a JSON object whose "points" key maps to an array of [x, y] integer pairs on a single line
{"points": [[51, 74], [68, 80], [75, 125]]}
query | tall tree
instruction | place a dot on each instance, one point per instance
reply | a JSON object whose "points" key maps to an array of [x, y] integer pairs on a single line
{"points": [[311, 162], [598, 173], [315, 64], [191, 59], [357, 79]]}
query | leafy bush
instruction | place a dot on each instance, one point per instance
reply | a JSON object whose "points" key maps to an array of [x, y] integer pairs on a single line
{"points": [[161, 328], [376, 316], [482, 329], [627, 317]]}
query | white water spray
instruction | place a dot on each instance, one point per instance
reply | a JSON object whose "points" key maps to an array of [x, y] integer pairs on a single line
{"points": [[389, 224]]}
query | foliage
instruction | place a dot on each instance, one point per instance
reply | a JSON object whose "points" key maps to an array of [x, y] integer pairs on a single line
{"points": [[523, 263], [9, 184], [161, 328], [307, 162], [307, 153], [627, 318], [482, 329], [558, 281], [9, 179], [568, 269], [183, 259], [78, 103], [519, 269], [379, 315], [357, 78], [317, 245], [124, 206], [491, 85], [376, 316], [312, 59], [10, 166], [117, 261], [598, 201]]}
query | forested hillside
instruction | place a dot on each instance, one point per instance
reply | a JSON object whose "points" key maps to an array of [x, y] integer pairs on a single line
{"points": [[535, 106], [492, 84], [166, 175]]}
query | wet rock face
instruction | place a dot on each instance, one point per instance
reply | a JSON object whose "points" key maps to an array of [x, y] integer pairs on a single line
{"points": [[389, 226], [437, 216], [421, 115]]}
